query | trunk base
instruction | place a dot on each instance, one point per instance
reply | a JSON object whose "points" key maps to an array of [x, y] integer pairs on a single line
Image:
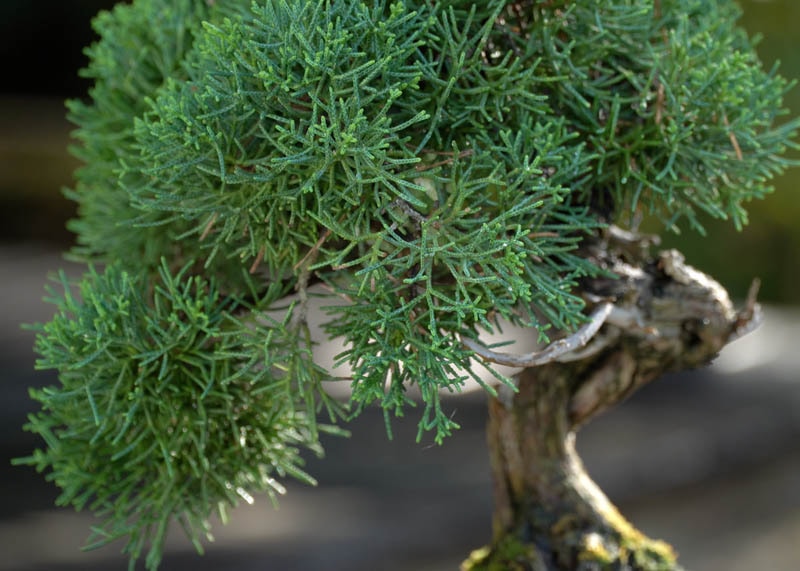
{"points": [[627, 550], [549, 514]]}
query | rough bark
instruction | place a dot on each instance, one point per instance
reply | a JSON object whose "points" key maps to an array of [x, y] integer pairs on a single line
{"points": [[549, 515]]}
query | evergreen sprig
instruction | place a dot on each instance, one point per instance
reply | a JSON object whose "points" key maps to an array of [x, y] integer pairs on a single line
{"points": [[435, 164]]}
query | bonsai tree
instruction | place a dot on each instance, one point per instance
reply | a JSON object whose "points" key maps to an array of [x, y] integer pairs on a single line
{"points": [[438, 169]]}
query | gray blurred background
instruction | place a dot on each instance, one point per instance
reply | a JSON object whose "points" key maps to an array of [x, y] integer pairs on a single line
{"points": [[707, 460]]}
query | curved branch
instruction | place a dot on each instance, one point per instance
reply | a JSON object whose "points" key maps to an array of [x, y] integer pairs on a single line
{"points": [[554, 351]]}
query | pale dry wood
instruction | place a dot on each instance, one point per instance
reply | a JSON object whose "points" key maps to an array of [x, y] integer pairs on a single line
{"points": [[553, 351]]}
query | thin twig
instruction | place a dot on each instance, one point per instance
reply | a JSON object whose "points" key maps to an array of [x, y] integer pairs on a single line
{"points": [[209, 225], [751, 315], [659, 102], [257, 262], [534, 235], [408, 210], [461, 155], [552, 352], [259, 257], [737, 149], [300, 317], [430, 151], [312, 253]]}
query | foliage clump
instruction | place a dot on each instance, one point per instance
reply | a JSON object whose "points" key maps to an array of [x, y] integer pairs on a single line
{"points": [[437, 165], [169, 404]]}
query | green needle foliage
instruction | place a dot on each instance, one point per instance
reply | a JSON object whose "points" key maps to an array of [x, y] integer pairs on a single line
{"points": [[170, 405], [435, 164]]}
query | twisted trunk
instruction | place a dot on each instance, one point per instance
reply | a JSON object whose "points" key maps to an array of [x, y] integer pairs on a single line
{"points": [[549, 515]]}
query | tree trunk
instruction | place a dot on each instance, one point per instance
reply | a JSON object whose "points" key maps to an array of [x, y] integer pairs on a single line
{"points": [[549, 515]]}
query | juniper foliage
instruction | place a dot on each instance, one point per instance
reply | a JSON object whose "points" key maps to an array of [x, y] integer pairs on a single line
{"points": [[435, 164]]}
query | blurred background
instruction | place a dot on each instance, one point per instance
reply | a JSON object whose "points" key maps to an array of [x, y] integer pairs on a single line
{"points": [[707, 460]]}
